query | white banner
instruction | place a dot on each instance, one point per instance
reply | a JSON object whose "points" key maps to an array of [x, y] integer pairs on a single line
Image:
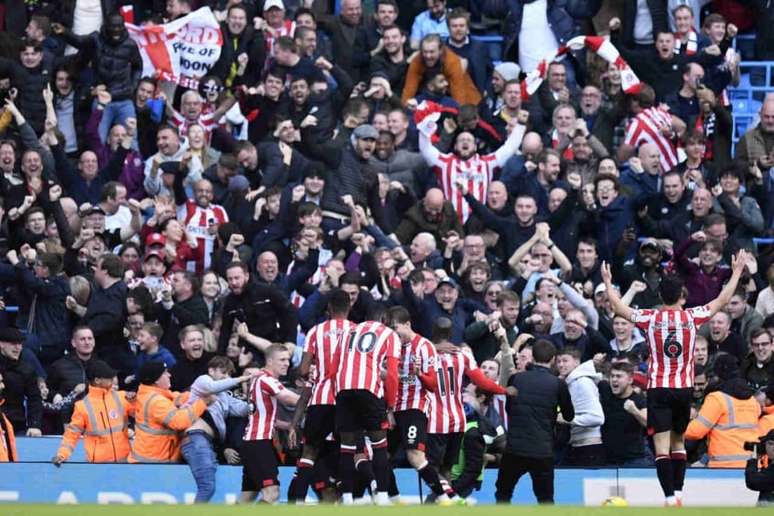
{"points": [[181, 51]]}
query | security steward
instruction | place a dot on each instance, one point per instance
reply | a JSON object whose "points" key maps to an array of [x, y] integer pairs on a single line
{"points": [[7, 437], [728, 417], [158, 420], [101, 418], [762, 479]]}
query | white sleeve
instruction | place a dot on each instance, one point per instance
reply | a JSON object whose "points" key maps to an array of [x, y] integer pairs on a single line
{"points": [[511, 145], [428, 150]]}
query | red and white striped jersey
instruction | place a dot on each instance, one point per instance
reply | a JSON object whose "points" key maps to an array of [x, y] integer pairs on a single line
{"points": [[263, 400], [447, 414], [287, 28], [362, 352], [646, 128], [197, 221], [206, 120], [417, 356], [499, 402], [476, 171], [671, 337], [321, 343]]}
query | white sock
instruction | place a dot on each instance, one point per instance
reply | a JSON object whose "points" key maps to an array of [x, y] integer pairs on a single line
{"points": [[679, 495], [381, 498], [670, 500], [346, 499]]}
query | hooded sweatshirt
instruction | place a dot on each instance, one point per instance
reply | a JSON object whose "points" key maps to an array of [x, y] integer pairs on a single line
{"points": [[587, 424]]}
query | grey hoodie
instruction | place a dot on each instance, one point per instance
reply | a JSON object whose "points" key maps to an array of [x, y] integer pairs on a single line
{"points": [[589, 417]]}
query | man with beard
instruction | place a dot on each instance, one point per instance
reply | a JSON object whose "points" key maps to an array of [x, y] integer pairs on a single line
{"points": [[7, 437], [392, 59], [266, 310], [720, 338], [406, 167], [587, 151], [434, 55], [433, 215], [757, 144], [481, 335], [623, 432], [540, 182], [118, 66], [201, 216], [647, 269], [601, 121], [465, 167]]}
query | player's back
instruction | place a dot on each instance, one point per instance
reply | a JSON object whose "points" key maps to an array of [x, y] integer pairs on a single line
{"points": [[322, 342], [361, 354], [447, 413]]}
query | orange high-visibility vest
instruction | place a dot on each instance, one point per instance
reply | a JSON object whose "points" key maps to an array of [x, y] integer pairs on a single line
{"points": [[727, 423], [101, 418], [157, 423], [7, 439]]}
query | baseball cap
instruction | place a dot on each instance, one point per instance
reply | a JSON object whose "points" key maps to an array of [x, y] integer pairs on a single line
{"points": [[170, 167], [94, 210], [155, 239], [268, 4], [151, 254], [650, 242], [11, 334], [508, 70], [150, 372], [238, 184], [365, 131], [100, 369], [448, 281]]}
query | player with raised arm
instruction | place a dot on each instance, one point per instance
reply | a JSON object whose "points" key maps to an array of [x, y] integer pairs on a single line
{"points": [[363, 399], [317, 363], [670, 332]]}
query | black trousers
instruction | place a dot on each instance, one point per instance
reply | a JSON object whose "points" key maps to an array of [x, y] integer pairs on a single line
{"points": [[591, 456], [511, 470]]}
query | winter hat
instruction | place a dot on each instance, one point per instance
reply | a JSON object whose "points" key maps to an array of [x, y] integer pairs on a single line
{"points": [[508, 70], [150, 372]]}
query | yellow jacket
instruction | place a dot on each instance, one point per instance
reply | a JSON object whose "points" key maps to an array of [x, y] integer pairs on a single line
{"points": [[727, 422], [101, 418], [157, 423]]}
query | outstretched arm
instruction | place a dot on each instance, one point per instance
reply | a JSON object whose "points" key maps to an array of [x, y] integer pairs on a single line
{"points": [[511, 145], [612, 294], [738, 264]]}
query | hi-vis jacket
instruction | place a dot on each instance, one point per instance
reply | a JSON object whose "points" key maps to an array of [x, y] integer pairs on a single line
{"points": [[7, 439], [101, 418], [727, 422], [157, 423]]}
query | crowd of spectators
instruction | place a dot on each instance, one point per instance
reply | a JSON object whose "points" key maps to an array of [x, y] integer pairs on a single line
{"points": [[126, 200]]}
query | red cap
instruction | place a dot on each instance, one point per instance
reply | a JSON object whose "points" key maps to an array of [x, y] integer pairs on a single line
{"points": [[157, 254], [155, 239]]}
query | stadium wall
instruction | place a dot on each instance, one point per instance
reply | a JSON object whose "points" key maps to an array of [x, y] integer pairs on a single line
{"points": [[41, 482]]}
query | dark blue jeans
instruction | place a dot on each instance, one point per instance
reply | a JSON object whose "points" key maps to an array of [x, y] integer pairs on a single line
{"points": [[198, 452]]}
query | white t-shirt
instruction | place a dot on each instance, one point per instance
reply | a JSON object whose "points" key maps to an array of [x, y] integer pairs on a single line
{"points": [[87, 18], [536, 39], [120, 219], [643, 24]]}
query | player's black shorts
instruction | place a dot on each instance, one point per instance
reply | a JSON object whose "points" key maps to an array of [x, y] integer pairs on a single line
{"points": [[259, 468], [360, 410], [320, 421], [443, 450], [412, 425], [669, 410]]}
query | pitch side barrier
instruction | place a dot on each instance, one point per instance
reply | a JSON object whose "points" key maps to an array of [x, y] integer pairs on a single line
{"points": [[39, 481]]}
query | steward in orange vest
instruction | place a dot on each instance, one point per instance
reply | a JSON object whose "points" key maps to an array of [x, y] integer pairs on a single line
{"points": [[728, 418], [101, 418], [7, 437], [158, 420]]}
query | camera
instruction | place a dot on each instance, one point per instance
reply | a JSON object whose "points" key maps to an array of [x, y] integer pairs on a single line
{"points": [[752, 445]]}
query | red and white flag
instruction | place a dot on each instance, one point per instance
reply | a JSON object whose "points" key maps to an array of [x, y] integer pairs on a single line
{"points": [[181, 51], [597, 44]]}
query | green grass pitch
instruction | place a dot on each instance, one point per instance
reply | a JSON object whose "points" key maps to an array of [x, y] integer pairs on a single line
{"points": [[284, 510]]}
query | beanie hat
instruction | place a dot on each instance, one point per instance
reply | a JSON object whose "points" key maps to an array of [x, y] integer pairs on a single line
{"points": [[508, 70]]}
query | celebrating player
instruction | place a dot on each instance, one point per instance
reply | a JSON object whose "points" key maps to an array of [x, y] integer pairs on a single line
{"points": [[671, 336]]}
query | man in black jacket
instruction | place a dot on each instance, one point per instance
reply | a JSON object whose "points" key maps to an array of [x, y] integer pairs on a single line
{"points": [[106, 314], [266, 311], [23, 404], [71, 370], [30, 77], [531, 422], [193, 362], [182, 306]]}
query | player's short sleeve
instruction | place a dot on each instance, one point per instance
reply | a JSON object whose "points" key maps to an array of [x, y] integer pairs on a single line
{"points": [[309, 341], [271, 386], [468, 362], [642, 318], [428, 356], [700, 314], [393, 346]]}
